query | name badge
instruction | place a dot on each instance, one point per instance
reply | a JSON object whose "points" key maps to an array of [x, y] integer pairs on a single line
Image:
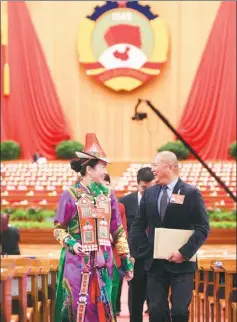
{"points": [[176, 198]]}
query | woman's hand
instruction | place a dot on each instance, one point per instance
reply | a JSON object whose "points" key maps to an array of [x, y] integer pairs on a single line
{"points": [[77, 248], [128, 276], [133, 260]]}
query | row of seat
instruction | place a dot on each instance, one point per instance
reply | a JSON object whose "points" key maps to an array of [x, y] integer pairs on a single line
{"points": [[192, 164], [218, 165], [123, 186], [40, 192], [28, 289], [29, 286], [214, 294], [193, 173], [33, 198], [14, 177], [22, 182], [51, 202]]}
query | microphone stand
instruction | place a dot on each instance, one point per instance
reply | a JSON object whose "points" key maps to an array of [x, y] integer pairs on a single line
{"points": [[142, 116]]}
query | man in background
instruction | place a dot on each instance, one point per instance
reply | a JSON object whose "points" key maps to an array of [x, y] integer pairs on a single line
{"points": [[9, 237], [138, 285], [36, 156], [118, 273]]}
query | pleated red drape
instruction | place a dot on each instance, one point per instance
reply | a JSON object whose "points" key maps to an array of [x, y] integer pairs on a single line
{"points": [[209, 118], [31, 114]]}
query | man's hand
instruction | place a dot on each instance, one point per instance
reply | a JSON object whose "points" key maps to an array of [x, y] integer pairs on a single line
{"points": [[133, 260], [129, 276], [176, 257], [77, 248]]}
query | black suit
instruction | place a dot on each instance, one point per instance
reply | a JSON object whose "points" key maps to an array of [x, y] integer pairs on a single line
{"points": [[190, 215], [9, 241], [130, 203], [138, 285]]}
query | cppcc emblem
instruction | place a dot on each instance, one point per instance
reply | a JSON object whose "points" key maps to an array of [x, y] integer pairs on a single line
{"points": [[123, 44]]}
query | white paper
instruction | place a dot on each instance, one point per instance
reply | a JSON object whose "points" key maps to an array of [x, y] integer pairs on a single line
{"points": [[168, 241]]}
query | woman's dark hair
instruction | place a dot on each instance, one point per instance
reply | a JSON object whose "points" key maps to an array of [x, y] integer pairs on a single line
{"points": [[107, 178], [79, 165]]}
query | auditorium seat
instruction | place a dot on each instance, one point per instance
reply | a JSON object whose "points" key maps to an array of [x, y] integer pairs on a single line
{"points": [[7, 275], [217, 292], [35, 295], [19, 290], [234, 311], [22, 182], [194, 306], [205, 268], [43, 272], [230, 289]]}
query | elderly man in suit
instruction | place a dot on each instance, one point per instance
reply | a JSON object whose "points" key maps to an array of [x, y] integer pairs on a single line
{"points": [[172, 204], [138, 285]]}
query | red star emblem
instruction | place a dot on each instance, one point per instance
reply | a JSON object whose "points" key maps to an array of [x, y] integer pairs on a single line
{"points": [[122, 3]]}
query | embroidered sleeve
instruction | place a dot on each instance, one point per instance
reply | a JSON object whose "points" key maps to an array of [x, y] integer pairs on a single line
{"points": [[64, 238], [65, 213], [120, 241], [121, 246]]}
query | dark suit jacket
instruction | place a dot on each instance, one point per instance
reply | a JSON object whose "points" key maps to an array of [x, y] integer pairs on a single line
{"points": [[130, 203], [191, 215], [9, 241], [36, 156]]}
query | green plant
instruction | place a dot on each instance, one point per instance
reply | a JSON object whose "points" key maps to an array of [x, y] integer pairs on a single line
{"points": [[32, 224], [178, 148], [48, 213], [233, 150], [223, 224], [30, 214], [34, 214], [33, 211], [19, 215], [10, 150], [66, 149], [8, 211], [234, 212], [220, 216], [36, 217]]}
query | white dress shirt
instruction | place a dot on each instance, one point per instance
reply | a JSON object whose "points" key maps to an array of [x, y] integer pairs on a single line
{"points": [[139, 197]]}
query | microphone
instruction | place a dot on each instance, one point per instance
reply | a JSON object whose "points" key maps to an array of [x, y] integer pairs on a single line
{"points": [[138, 116]]}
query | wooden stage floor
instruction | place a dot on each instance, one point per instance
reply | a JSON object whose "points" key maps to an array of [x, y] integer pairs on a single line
{"points": [[54, 250]]}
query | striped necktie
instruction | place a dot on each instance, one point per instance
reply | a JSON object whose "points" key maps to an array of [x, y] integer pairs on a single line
{"points": [[163, 202]]}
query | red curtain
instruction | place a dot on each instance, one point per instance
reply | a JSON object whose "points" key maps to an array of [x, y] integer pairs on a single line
{"points": [[31, 114], [209, 119]]}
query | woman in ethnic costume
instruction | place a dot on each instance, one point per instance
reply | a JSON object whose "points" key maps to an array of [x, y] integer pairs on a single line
{"points": [[86, 216]]}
